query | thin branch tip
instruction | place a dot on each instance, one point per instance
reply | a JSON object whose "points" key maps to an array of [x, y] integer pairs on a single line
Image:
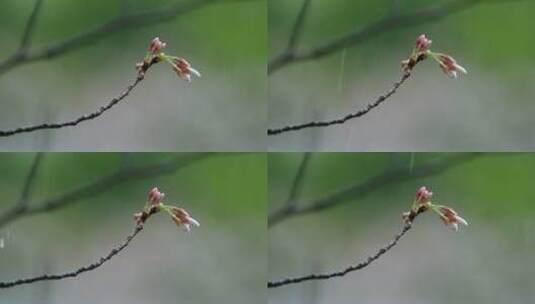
{"points": [[326, 123], [325, 276], [54, 277]]}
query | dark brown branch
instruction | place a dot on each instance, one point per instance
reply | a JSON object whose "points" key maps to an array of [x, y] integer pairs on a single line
{"points": [[106, 183], [119, 23], [49, 277], [360, 190], [352, 268], [359, 113], [74, 122], [392, 22]]}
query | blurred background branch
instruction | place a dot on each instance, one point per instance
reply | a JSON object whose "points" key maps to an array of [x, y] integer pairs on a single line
{"points": [[392, 22], [298, 27], [120, 176], [30, 26], [29, 182], [296, 187], [361, 189]]}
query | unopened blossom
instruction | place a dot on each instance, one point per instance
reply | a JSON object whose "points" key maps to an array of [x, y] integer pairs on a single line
{"points": [[155, 197], [422, 51], [423, 43], [156, 45], [423, 196], [449, 66], [183, 69], [423, 203], [450, 217], [182, 218]]}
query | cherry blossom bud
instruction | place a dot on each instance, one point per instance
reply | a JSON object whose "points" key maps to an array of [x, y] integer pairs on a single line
{"points": [[422, 43], [449, 66], [450, 217], [184, 70], [182, 218], [423, 196], [156, 45], [155, 197]]}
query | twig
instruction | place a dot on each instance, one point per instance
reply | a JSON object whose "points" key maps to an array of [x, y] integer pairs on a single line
{"points": [[119, 23], [74, 122], [105, 183], [361, 189], [426, 15], [72, 274], [361, 265], [342, 120]]}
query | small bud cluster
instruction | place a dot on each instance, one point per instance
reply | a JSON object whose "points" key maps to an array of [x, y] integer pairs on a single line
{"points": [[155, 54], [155, 204], [421, 51], [422, 203]]}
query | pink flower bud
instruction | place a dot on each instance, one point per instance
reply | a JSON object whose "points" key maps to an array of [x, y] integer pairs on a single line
{"points": [[182, 218], [422, 43], [450, 217], [449, 66], [423, 196], [184, 70], [156, 45], [155, 197]]}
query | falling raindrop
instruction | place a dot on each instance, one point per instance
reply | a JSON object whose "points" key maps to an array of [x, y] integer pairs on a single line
{"points": [[1, 243], [342, 70], [411, 164]]}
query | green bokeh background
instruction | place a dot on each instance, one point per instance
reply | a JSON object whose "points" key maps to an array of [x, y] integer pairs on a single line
{"points": [[224, 40], [489, 109], [490, 261], [223, 260]]}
